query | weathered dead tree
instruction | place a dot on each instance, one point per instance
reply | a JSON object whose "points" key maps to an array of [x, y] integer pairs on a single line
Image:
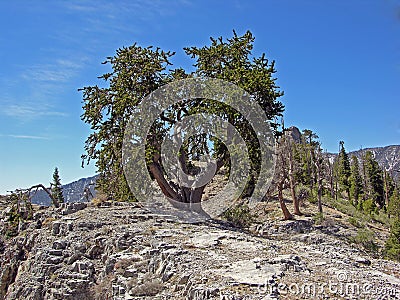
{"points": [[320, 167], [330, 177], [282, 174], [288, 145], [35, 189]]}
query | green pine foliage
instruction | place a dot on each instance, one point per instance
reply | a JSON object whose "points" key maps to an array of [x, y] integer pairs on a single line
{"points": [[14, 216], [137, 71], [375, 185], [389, 187], [355, 181], [21, 211], [366, 238], [56, 190], [239, 215], [392, 245], [368, 206], [303, 155], [394, 204], [343, 170]]}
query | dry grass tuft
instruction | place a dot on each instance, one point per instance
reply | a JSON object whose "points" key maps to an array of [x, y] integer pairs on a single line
{"points": [[48, 221]]}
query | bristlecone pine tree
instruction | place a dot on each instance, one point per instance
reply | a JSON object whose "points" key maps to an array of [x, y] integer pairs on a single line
{"points": [[56, 187], [136, 72]]}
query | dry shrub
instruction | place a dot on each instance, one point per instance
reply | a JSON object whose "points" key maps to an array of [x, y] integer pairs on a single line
{"points": [[150, 286], [121, 265], [100, 198], [103, 289], [48, 221], [97, 202]]}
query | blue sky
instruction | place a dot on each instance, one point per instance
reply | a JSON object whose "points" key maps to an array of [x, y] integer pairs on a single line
{"points": [[338, 63]]}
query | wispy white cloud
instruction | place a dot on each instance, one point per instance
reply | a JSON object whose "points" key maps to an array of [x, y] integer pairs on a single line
{"points": [[29, 137], [45, 73], [25, 136], [106, 16], [32, 111], [42, 84], [141, 9], [80, 7], [61, 70]]}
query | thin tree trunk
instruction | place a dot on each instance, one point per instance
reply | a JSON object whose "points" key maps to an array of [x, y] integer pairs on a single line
{"points": [[366, 192], [336, 184], [318, 163], [319, 192], [386, 190], [293, 186], [296, 203], [286, 213], [331, 180], [309, 163]]}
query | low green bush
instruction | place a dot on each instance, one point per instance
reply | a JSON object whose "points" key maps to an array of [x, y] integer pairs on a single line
{"points": [[353, 221], [392, 245], [369, 206], [318, 218], [239, 215], [366, 238]]}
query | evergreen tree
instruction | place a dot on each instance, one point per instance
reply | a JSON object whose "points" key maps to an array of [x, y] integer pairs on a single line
{"points": [[57, 190], [355, 180], [343, 170], [392, 245], [136, 72], [394, 205], [309, 144], [299, 155], [375, 185], [389, 187]]}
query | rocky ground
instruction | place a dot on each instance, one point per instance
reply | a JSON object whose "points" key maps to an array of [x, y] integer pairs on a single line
{"points": [[125, 251]]}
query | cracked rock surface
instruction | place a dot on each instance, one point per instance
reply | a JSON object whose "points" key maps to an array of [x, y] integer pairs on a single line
{"points": [[123, 251]]}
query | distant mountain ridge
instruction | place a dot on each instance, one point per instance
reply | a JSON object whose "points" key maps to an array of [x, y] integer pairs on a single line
{"points": [[388, 158], [73, 192]]}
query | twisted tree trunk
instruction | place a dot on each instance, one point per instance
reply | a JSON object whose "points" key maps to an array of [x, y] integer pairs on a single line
{"points": [[286, 213]]}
